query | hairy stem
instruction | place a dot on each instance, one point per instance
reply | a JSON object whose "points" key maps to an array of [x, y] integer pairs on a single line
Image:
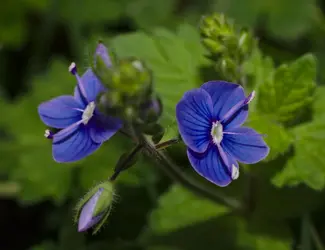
{"points": [[129, 158], [315, 237], [173, 171], [166, 144]]}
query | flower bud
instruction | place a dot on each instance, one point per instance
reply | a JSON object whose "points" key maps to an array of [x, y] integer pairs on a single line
{"points": [[94, 208], [102, 52], [131, 77], [216, 27], [151, 110], [213, 45]]}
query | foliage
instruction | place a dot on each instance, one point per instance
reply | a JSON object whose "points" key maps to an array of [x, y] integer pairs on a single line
{"points": [[281, 58]]}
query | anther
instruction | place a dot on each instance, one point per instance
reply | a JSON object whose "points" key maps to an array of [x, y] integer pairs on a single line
{"points": [[48, 134], [73, 68]]}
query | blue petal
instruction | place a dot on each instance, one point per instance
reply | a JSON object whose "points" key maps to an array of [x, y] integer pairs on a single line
{"points": [[92, 86], [73, 145], [101, 51], [211, 165], [102, 127], [60, 112], [86, 219], [224, 96], [245, 145], [194, 118]]}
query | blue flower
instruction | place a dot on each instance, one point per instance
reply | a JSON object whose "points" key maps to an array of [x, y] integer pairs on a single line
{"points": [[209, 120], [82, 128]]}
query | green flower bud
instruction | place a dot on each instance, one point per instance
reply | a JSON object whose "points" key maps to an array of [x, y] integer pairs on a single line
{"points": [[131, 77], [213, 46], [94, 208]]}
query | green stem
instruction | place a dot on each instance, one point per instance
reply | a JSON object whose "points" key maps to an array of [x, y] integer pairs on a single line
{"points": [[173, 171], [315, 237], [129, 158], [166, 144], [176, 174]]}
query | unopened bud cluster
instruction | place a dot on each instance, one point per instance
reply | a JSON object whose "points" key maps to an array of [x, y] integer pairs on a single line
{"points": [[228, 46]]}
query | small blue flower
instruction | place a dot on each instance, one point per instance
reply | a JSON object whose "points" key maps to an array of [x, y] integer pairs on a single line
{"points": [[82, 127], [209, 120]]}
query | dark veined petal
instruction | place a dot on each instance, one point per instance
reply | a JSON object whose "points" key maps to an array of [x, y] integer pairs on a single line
{"points": [[245, 144], [73, 144], [60, 112], [193, 115], [102, 51], [91, 88], [103, 127], [86, 219], [213, 167], [224, 96]]}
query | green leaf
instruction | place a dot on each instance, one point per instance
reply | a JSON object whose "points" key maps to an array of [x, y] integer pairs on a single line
{"points": [[318, 105], [179, 208], [290, 90], [258, 69], [276, 136], [307, 165], [258, 241], [232, 233], [174, 59], [40, 176]]}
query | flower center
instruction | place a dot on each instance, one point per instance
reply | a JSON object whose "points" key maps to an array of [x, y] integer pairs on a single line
{"points": [[217, 132], [88, 112]]}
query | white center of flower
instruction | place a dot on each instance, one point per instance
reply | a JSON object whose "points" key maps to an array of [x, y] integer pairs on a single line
{"points": [[88, 112], [234, 172], [217, 132]]}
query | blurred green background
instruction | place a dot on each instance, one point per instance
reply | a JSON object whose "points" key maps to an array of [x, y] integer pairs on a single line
{"points": [[39, 39]]}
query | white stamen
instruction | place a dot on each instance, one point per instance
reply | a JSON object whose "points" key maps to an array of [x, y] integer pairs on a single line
{"points": [[72, 67], [234, 172], [47, 133], [250, 97], [217, 132], [88, 112]]}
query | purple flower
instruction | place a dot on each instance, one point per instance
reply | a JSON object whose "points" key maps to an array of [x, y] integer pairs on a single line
{"points": [[83, 128], [209, 120], [87, 219]]}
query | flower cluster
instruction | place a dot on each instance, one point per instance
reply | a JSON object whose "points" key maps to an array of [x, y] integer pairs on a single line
{"points": [[82, 127], [209, 120]]}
